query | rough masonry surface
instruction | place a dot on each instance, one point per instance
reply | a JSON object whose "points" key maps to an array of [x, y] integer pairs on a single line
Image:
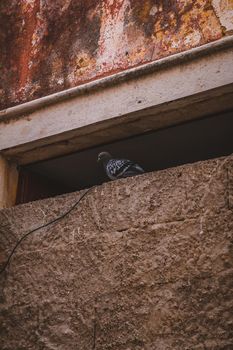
{"points": [[142, 263]]}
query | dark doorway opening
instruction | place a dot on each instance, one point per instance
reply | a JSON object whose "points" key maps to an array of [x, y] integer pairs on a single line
{"points": [[185, 143]]}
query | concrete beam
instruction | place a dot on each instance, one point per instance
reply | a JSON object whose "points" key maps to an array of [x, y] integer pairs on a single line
{"points": [[182, 87]]}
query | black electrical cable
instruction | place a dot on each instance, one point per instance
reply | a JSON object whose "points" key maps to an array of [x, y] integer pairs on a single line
{"points": [[40, 227]]}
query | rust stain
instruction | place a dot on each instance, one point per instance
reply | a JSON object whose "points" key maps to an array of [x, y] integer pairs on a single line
{"points": [[113, 6], [29, 14], [49, 46]]}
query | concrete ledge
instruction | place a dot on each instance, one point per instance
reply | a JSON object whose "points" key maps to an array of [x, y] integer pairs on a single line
{"points": [[132, 73], [179, 88]]}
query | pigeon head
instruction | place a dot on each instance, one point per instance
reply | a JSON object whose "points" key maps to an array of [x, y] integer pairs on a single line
{"points": [[103, 157]]}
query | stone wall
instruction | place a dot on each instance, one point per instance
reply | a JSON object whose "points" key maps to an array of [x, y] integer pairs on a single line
{"points": [[48, 46], [142, 263]]}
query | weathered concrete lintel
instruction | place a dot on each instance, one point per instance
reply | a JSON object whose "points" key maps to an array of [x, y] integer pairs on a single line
{"points": [[143, 121], [117, 78], [181, 92]]}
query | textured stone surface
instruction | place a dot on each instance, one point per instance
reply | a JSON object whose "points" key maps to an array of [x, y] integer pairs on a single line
{"points": [[141, 263], [47, 46], [224, 11]]}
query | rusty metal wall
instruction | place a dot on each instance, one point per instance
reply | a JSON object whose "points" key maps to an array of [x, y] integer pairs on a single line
{"points": [[48, 46]]}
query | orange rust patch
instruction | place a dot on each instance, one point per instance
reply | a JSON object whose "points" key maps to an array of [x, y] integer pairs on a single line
{"points": [[30, 23], [226, 5]]}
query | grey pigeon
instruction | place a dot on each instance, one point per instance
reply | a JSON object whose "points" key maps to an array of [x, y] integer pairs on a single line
{"points": [[118, 168]]}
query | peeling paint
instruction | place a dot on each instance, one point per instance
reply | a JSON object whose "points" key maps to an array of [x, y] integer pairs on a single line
{"points": [[47, 46]]}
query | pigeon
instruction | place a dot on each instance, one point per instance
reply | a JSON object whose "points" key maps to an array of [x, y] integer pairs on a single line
{"points": [[118, 168]]}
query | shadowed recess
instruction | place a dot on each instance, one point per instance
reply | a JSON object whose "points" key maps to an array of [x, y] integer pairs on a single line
{"points": [[187, 143]]}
